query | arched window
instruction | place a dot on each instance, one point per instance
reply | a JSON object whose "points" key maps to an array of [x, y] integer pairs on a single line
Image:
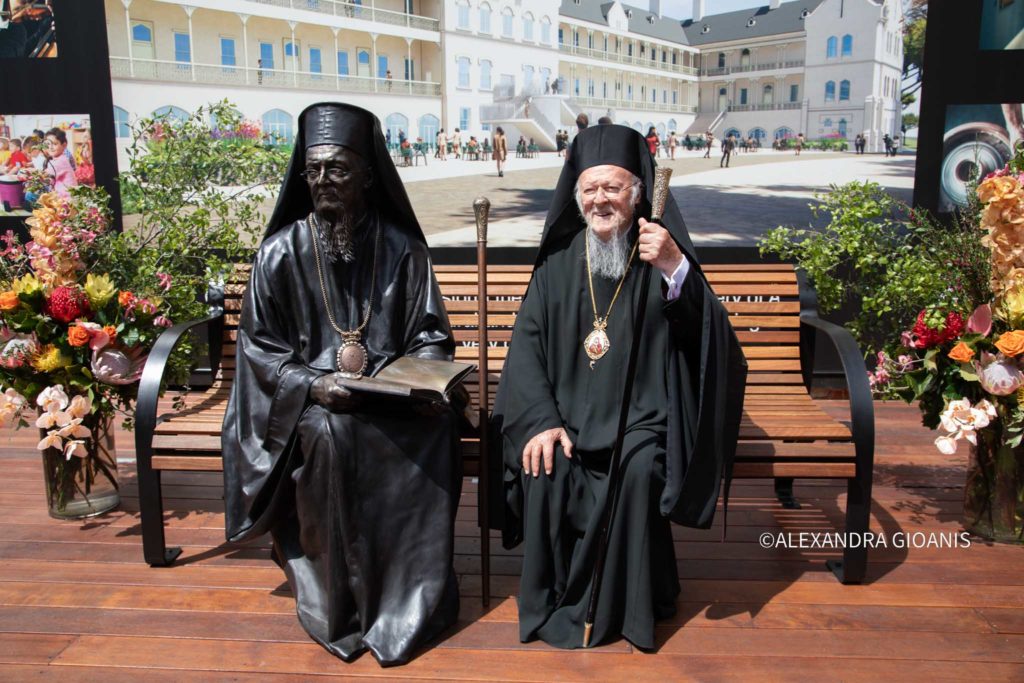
{"points": [[121, 127], [428, 125], [830, 91], [395, 122], [463, 14], [757, 133], [672, 125], [847, 45], [783, 133], [142, 33], [721, 60], [639, 127], [485, 22], [830, 47], [278, 124], [463, 63], [545, 30], [842, 127], [734, 132], [768, 95], [827, 123], [745, 57], [844, 90], [506, 23], [485, 75], [172, 112], [660, 128], [528, 26]]}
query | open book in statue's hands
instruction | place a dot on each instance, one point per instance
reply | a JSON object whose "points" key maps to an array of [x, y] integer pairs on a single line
{"points": [[413, 378]]}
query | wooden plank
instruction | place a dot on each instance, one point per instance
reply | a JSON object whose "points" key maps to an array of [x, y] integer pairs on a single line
{"points": [[768, 470], [195, 463], [752, 450], [32, 648]]}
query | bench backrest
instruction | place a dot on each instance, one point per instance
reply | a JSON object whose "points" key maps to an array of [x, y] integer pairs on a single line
{"points": [[763, 300]]}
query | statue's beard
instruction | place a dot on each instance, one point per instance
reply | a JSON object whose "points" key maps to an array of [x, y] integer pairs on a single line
{"points": [[339, 232], [609, 259]]}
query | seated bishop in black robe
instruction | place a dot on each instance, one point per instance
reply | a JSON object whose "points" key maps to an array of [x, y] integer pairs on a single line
{"points": [[360, 501], [683, 416]]}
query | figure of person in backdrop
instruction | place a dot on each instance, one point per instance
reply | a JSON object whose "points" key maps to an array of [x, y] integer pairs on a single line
{"points": [[709, 138], [60, 165], [359, 498], [728, 144], [673, 142], [558, 402], [652, 141], [799, 143], [442, 145], [500, 153]]}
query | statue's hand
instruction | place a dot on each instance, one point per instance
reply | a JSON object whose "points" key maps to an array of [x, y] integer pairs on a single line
{"points": [[331, 394]]}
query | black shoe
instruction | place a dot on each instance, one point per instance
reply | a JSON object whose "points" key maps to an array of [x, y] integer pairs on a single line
{"points": [[501, 174]]}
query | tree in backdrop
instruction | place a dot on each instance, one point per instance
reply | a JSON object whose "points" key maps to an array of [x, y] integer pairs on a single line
{"points": [[914, 21]]}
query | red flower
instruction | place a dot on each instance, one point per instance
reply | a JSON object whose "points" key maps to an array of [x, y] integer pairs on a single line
{"points": [[67, 304], [926, 337]]}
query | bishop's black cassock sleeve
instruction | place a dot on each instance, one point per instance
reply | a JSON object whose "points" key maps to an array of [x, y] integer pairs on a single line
{"points": [[705, 409]]}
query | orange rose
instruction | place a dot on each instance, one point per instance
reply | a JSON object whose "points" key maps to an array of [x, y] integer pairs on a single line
{"points": [[78, 335], [1011, 343], [8, 300], [111, 332], [961, 353], [125, 298]]}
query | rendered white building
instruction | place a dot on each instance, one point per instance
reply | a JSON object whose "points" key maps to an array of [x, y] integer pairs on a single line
{"points": [[820, 67]]}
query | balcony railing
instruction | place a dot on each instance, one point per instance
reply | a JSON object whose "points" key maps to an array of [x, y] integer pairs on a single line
{"points": [[747, 68], [352, 10], [216, 74], [634, 104], [765, 107], [626, 59]]}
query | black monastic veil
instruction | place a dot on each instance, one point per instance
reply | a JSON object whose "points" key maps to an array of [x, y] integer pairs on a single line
{"points": [[681, 434], [361, 505]]}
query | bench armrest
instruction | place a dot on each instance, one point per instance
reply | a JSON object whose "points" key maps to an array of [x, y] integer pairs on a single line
{"points": [[156, 366], [862, 411]]}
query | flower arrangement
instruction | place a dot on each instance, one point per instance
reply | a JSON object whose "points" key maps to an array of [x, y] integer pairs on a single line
{"points": [[966, 368], [73, 340]]}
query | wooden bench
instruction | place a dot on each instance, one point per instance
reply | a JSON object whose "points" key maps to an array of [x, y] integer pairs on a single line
{"points": [[784, 434]]}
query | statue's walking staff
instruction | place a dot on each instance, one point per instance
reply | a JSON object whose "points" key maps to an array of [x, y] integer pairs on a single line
{"points": [[661, 178]]}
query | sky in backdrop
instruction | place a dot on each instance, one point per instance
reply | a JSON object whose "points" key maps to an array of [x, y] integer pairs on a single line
{"points": [[683, 9]]}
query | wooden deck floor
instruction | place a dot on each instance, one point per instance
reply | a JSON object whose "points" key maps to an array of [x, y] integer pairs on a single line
{"points": [[77, 602]]}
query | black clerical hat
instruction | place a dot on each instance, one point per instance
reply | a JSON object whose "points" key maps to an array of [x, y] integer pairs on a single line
{"points": [[334, 123]]}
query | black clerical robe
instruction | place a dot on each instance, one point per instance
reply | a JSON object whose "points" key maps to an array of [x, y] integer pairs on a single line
{"points": [[361, 506], [689, 373]]}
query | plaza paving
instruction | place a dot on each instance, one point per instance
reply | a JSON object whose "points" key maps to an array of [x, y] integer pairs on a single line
{"points": [[731, 206]]}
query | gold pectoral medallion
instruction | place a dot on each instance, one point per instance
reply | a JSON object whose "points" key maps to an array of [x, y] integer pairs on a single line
{"points": [[597, 343]]}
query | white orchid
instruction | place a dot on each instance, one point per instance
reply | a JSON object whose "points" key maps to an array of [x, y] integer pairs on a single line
{"points": [[11, 405], [74, 429], [75, 448], [53, 396], [51, 440], [80, 407], [962, 421]]}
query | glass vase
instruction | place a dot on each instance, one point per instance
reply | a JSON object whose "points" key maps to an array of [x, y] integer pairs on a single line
{"points": [[994, 493], [80, 487]]}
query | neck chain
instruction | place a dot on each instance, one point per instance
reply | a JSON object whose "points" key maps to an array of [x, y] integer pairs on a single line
{"points": [[351, 359], [597, 343]]}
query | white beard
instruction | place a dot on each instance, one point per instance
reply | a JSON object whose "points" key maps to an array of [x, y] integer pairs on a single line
{"points": [[609, 259]]}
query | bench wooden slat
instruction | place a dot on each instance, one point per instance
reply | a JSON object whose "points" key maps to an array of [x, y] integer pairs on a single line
{"points": [[769, 470]]}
